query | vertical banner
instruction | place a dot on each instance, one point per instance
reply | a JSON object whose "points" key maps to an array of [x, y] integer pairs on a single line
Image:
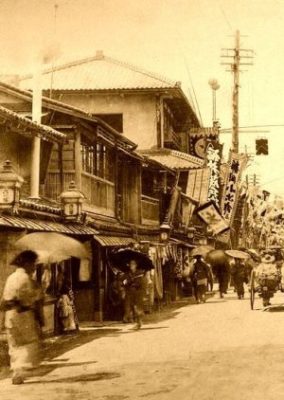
{"points": [[230, 196], [213, 163]]}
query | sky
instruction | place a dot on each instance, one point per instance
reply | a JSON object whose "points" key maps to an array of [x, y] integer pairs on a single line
{"points": [[180, 39]]}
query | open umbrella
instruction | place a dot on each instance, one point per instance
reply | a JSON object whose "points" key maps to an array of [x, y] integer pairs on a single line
{"points": [[237, 254], [201, 250], [52, 247], [122, 257], [216, 257]]}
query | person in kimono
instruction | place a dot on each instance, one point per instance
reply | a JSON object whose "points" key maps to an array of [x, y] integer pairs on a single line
{"points": [[240, 276], [68, 321], [22, 303], [134, 283], [200, 277]]}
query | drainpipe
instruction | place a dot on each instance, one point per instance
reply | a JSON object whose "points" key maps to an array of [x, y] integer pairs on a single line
{"points": [[36, 117]]}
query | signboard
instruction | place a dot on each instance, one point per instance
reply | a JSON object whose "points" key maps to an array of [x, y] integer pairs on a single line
{"points": [[213, 163], [230, 196], [211, 215]]}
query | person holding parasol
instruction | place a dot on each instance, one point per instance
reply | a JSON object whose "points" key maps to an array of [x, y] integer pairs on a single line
{"points": [[134, 264], [239, 270]]}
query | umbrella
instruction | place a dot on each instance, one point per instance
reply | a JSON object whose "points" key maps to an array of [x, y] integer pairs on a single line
{"points": [[122, 257], [218, 261], [237, 254], [52, 247], [217, 257], [201, 250]]}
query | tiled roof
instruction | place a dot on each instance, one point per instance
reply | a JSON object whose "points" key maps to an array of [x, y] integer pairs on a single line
{"points": [[45, 132], [46, 226], [99, 73], [114, 240], [40, 205], [173, 159]]}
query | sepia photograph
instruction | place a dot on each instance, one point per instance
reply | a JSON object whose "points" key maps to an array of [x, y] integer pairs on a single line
{"points": [[141, 199]]}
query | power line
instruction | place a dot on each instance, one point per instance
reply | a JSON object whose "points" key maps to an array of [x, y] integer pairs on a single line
{"points": [[193, 90], [253, 126], [226, 18]]}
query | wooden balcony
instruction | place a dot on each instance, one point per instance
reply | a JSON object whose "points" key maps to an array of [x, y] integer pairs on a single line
{"points": [[100, 193], [150, 210]]}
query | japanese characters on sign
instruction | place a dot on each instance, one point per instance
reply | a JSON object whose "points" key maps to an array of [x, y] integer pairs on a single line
{"points": [[229, 201], [213, 163]]}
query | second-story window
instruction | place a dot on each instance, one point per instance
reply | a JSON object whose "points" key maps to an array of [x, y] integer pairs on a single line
{"points": [[97, 159]]}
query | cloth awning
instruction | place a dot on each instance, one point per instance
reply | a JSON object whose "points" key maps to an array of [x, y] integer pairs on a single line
{"points": [[105, 241], [46, 226]]}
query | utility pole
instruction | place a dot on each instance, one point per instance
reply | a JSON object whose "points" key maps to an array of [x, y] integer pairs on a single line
{"points": [[236, 55]]}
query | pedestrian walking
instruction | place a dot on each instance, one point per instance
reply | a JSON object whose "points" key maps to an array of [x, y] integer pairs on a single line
{"points": [[134, 283], [201, 276], [240, 276], [22, 303], [220, 268]]}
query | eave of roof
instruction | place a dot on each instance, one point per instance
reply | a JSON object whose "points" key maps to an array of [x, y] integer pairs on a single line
{"points": [[173, 159], [30, 224], [67, 109], [45, 132]]}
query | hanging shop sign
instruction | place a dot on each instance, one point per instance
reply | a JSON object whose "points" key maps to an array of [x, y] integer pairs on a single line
{"points": [[211, 215], [230, 196], [213, 163], [198, 140]]}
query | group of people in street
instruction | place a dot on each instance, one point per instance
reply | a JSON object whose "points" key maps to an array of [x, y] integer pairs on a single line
{"points": [[236, 271], [22, 299]]}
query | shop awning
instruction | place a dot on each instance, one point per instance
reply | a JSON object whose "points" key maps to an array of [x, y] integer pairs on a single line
{"points": [[46, 226], [105, 241]]}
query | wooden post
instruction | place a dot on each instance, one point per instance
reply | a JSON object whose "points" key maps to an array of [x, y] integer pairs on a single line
{"points": [[78, 160], [36, 117], [236, 71]]}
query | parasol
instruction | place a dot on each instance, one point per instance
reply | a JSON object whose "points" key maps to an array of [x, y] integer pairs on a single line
{"points": [[216, 257], [52, 247], [122, 257], [201, 250], [237, 254]]}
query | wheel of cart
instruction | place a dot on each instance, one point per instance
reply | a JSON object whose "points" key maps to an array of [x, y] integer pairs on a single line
{"points": [[252, 289]]}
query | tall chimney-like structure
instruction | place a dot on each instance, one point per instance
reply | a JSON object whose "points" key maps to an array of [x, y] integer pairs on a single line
{"points": [[36, 117]]}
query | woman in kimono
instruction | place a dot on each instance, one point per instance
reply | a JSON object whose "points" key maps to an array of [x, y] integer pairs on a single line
{"points": [[22, 303]]}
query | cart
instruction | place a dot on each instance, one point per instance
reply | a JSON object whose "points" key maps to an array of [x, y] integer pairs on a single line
{"points": [[265, 284]]}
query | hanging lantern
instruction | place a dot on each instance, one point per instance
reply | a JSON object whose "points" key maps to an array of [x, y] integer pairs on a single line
{"points": [[165, 232], [71, 203], [10, 184]]}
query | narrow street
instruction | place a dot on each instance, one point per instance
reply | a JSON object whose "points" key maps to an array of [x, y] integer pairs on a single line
{"points": [[220, 349]]}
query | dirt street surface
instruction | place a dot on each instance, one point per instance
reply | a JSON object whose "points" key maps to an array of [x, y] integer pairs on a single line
{"points": [[217, 350]]}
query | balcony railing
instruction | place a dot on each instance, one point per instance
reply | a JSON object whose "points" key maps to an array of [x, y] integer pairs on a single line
{"points": [[150, 210], [100, 193]]}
